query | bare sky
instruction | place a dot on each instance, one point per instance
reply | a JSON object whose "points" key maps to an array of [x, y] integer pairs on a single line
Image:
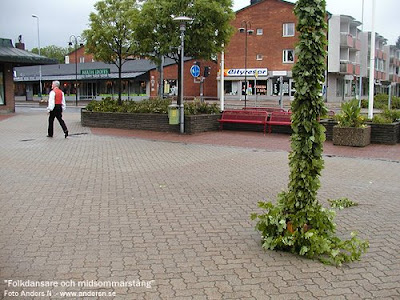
{"points": [[58, 20]]}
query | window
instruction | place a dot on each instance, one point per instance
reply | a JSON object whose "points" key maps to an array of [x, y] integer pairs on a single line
{"points": [[2, 102], [66, 59], [288, 56], [259, 57], [81, 59], [259, 31], [288, 29]]}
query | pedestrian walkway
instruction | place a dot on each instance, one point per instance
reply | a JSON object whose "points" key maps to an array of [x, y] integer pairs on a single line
{"points": [[117, 214]]}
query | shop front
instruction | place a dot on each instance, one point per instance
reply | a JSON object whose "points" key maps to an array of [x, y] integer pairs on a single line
{"points": [[261, 84]]}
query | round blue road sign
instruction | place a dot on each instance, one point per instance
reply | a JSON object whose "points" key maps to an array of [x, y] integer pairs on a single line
{"points": [[195, 71]]}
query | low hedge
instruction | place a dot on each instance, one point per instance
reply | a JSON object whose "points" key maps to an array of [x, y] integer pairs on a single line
{"points": [[158, 106], [381, 102]]}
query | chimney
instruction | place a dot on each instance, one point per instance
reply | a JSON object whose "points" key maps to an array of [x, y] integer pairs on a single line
{"points": [[20, 44]]}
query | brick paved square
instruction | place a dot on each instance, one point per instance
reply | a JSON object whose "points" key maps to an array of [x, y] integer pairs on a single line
{"points": [[145, 218]]}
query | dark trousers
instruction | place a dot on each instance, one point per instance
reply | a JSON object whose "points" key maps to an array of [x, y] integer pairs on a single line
{"points": [[56, 113]]}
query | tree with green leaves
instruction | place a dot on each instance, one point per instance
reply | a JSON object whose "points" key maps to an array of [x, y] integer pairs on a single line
{"points": [[298, 223], [52, 51], [158, 34], [109, 37]]}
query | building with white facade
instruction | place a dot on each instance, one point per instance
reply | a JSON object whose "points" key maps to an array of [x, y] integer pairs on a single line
{"points": [[392, 69], [344, 47]]}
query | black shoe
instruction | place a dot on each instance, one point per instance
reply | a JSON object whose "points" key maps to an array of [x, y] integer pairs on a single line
{"points": [[49, 135], [66, 134]]}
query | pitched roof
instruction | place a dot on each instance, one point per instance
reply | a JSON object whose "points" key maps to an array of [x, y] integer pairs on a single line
{"points": [[130, 69], [16, 56]]}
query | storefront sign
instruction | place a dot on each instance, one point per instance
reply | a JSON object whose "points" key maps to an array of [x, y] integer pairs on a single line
{"points": [[95, 72], [246, 72]]}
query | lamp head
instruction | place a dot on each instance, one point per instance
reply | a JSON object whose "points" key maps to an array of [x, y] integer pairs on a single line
{"points": [[181, 19]]}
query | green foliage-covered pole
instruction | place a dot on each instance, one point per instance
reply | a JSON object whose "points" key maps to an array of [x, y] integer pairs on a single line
{"points": [[298, 223], [308, 136]]}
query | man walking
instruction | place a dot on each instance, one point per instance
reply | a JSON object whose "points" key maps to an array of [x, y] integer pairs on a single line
{"points": [[55, 107]]}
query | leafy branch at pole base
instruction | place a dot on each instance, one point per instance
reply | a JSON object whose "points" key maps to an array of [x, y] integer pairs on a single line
{"points": [[298, 223], [342, 203]]}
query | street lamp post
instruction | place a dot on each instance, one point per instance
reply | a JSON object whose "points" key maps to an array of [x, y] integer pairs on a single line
{"points": [[246, 29], [182, 20], [40, 67], [75, 38]]}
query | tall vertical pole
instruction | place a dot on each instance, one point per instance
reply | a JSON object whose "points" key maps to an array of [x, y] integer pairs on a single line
{"points": [[182, 20], [222, 75], [245, 67], [40, 67], [372, 67], [76, 73], [281, 92], [76, 64], [182, 110], [362, 30]]}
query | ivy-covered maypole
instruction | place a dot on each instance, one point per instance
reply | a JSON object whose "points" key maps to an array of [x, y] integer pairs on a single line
{"points": [[298, 223]]}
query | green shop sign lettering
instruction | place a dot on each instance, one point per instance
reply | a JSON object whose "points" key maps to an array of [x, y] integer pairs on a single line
{"points": [[94, 72]]}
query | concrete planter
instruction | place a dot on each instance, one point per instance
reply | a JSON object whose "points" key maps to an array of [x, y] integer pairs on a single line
{"points": [[329, 124], [385, 133], [350, 136], [153, 122]]}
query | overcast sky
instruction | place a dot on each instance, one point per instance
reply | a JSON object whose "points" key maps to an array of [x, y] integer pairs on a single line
{"points": [[58, 20]]}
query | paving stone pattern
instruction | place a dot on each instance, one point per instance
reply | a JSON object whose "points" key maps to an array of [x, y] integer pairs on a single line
{"points": [[92, 211]]}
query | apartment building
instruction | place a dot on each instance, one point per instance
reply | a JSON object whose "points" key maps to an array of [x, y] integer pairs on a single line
{"points": [[392, 69], [344, 47], [381, 59], [261, 52]]}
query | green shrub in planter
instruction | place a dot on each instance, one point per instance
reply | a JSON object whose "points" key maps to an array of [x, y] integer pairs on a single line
{"points": [[197, 108], [381, 102], [350, 115], [387, 117], [381, 119], [155, 106]]}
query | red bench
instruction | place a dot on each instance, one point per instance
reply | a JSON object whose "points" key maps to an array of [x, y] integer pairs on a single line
{"points": [[279, 118], [244, 117], [268, 109]]}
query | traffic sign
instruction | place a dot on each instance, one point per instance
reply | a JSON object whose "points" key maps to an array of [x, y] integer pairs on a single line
{"points": [[195, 71]]}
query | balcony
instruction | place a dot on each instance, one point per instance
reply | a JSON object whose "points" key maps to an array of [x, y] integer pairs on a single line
{"points": [[379, 53], [357, 44], [346, 40], [346, 68], [356, 69], [394, 78]]}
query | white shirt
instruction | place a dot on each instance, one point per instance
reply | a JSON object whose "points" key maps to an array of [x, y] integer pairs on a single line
{"points": [[51, 103]]}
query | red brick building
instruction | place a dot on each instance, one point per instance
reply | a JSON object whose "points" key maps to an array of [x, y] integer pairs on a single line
{"points": [[192, 85], [261, 51], [79, 55]]}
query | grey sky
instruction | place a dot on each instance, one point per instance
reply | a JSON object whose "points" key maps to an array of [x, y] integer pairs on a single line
{"points": [[58, 20]]}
